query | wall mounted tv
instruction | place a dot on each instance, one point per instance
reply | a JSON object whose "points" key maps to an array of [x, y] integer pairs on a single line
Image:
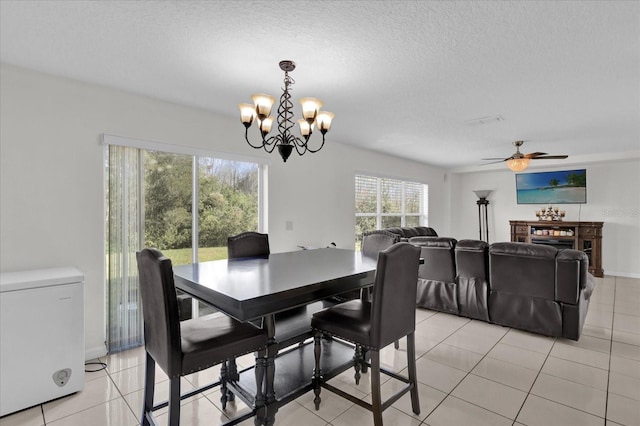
{"points": [[563, 187]]}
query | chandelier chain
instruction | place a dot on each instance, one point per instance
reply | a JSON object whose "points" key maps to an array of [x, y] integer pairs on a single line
{"points": [[285, 116]]}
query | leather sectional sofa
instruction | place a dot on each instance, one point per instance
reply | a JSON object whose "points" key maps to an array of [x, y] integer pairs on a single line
{"points": [[525, 286], [409, 232]]}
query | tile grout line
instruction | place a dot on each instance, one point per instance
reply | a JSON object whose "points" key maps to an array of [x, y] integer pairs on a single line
{"points": [[44, 421], [424, 354], [449, 394], [120, 393], [608, 375], [606, 400]]}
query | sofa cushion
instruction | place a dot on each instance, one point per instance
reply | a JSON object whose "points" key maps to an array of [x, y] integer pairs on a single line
{"points": [[437, 288], [442, 242], [526, 313], [439, 261], [409, 232], [425, 231], [472, 278], [527, 270]]}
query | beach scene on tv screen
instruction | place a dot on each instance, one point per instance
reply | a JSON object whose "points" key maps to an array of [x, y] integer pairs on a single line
{"points": [[562, 187]]}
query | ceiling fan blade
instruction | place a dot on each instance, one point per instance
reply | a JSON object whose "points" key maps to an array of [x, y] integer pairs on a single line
{"points": [[551, 157], [534, 154], [493, 162], [501, 159]]}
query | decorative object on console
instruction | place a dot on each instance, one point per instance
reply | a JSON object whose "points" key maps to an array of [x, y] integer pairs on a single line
{"points": [[550, 214], [483, 222], [285, 141], [519, 161]]}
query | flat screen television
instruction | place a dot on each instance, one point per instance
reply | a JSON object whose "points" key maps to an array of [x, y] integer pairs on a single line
{"points": [[563, 187]]}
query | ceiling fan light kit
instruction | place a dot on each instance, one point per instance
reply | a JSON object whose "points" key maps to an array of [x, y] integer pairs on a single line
{"points": [[519, 161], [284, 140], [518, 164]]}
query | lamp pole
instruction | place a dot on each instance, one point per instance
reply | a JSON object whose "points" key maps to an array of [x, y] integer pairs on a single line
{"points": [[483, 220]]}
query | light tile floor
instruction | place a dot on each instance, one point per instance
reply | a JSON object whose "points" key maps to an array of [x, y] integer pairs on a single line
{"points": [[470, 373]]}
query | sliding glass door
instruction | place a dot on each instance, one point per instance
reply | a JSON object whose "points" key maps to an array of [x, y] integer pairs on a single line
{"points": [[184, 205]]}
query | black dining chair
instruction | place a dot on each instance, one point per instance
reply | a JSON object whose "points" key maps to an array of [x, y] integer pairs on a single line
{"points": [[374, 242], [291, 326], [387, 317], [186, 347], [248, 244]]}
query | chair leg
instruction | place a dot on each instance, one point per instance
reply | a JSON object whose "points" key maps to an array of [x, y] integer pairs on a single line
{"points": [[411, 367], [376, 397], [232, 376], [364, 368], [357, 363], [317, 373], [149, 389], [224, 374], [174, 401]]}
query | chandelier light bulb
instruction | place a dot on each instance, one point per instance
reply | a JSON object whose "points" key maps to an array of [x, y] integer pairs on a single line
{"points": [[265, 125], [247, 113], [305, 128], [310, 108], [323, 120], [263, 104]]}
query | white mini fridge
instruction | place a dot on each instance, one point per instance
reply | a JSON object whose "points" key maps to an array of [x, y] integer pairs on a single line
{"points": [[42, 336]]}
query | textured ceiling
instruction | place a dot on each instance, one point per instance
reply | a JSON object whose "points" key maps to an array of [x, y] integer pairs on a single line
{"points": [[402, 77]]}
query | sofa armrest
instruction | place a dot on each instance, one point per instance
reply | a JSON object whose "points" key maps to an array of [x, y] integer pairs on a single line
{"points": [[572, 275]]}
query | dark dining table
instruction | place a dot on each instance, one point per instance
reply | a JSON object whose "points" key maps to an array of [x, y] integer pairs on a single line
{"points": [[258, 288]]}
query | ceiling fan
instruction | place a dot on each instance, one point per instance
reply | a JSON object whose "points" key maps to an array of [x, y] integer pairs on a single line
{"points": [[519, 161]]}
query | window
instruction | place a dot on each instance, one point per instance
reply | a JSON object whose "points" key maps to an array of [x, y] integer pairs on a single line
{"points": [[386, 203], [182, 201]]}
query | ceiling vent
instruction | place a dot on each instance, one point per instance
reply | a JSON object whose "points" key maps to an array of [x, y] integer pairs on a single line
{"points": [[484, 120]]}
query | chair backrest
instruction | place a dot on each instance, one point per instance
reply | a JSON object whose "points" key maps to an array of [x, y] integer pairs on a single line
{"points": [[393, 313], [374, 242], [248, 244], [160, 310]]}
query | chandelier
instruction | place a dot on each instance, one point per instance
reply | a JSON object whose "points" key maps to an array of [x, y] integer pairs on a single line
{"points": [[284, 140]]}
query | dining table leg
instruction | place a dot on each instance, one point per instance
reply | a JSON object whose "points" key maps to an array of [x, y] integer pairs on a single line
{"points": [[266, 396]]}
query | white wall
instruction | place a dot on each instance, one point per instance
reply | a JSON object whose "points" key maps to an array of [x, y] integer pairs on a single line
{"points": [[613, 197], [52, 196]]}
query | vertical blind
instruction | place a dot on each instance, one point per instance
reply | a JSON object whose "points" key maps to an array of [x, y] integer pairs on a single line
{"points": [[124, 239]]}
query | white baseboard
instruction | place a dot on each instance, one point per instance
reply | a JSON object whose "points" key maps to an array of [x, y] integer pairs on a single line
{"points": [[93, 353], [622, 274]]}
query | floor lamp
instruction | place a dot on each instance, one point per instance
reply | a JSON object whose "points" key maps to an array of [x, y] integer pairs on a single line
{"points": [[483, 221]]}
